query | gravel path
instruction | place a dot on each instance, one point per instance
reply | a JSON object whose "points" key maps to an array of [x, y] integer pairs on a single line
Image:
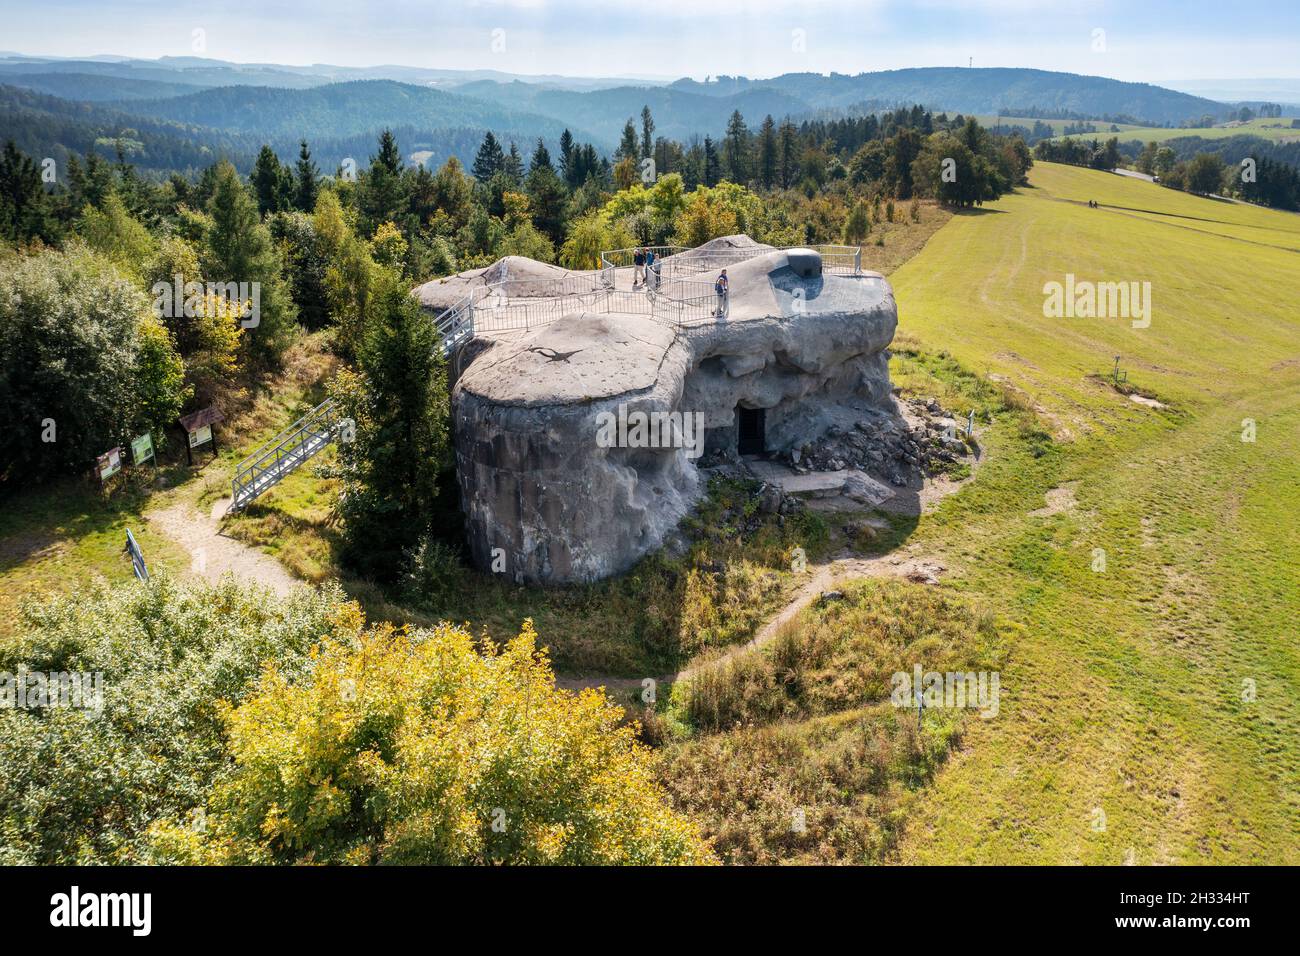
{"points": [[213, 554]]}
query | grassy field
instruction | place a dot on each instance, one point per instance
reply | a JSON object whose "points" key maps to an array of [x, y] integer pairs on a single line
{"points": [[1150, 709], [1277, 130], [1058, 125]]}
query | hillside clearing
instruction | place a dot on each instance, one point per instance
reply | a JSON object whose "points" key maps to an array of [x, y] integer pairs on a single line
{"points": [[1150, 707]]}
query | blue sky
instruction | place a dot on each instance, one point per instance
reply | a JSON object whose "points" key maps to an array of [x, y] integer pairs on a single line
{"points": [[1148, 40]]}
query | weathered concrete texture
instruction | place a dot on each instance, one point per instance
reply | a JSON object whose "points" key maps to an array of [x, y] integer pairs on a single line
{"points": [[792, 346], [441, 294], [537, 484]]}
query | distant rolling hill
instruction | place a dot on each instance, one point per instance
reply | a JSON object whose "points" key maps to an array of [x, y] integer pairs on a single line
{"points": [[168, 70], [347, 109], [232, 108], [205, 72], [96, 88], [343, 121], [976, 91], [42, 125]]}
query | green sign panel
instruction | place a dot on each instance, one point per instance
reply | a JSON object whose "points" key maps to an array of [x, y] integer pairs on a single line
{"points": [[142, 448]]}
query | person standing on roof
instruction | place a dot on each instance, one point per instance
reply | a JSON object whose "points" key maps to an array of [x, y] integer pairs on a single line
{"points": [[638, 272], [721, 287]]}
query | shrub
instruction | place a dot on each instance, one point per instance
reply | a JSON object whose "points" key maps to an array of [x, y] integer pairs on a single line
{"points": [[80, 353], [81, 787], [811, 762], [411, 748]]}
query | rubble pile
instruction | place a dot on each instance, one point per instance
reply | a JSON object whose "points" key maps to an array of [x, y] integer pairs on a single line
{"points": [[923, 438]]}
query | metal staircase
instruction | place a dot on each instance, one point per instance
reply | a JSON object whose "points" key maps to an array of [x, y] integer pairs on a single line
{"points": [[308, 436], [278, 458]]}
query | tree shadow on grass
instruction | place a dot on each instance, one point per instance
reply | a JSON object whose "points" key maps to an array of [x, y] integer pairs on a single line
{"points": [[34, 519]]}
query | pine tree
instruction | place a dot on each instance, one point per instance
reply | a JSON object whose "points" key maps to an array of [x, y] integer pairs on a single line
{"points": [[490, 159], [541, 157], [788, 141], [647, 132], [513, 166], [390, 157], [266, 181], [546, 199], [382, 196], [400, 407], [712, 171], [308, 180], [566, 157], [24, 211], [239, 249], [736, 149], [858, 224], [627, 147], [767, 153]]}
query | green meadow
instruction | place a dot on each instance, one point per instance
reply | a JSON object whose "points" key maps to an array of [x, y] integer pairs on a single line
{"points": [[1149, 709], [1058, 125], [1278, 130]]}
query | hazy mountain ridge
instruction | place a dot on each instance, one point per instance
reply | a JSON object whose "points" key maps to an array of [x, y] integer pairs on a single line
{"points": [[163, 139], [85, 103], [92, 88], [984, 90], [341, 109]]}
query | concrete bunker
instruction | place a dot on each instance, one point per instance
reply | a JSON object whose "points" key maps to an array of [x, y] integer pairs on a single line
{"points": [[565, 467]]}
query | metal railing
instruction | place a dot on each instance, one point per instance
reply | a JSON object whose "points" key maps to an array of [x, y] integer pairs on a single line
{"points": [[670, 292], [279, 457]]}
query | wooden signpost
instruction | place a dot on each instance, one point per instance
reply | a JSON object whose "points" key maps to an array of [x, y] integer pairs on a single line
{"points": [[199, 431]]}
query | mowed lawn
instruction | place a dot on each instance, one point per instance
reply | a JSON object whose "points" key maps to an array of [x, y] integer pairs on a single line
{"points": [[1151, 712]]}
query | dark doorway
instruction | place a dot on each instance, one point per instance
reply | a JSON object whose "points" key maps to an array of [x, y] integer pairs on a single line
{"points": [[752, 438]]}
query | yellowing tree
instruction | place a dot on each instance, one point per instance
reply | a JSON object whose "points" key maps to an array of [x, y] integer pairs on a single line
{"points": [[589, 236], [389, 246], [111, 231], [704, 218], [416, 748]]}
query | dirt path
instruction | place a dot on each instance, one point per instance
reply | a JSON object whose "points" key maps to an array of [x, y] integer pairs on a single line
{"points": [[821, 579], [213, 554]]}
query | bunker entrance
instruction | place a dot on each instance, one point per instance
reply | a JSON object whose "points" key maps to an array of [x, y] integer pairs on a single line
{"points": [[752, 432]]}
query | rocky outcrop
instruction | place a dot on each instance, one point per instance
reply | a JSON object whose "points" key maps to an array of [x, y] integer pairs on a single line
{"points": [[559, 484]]}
